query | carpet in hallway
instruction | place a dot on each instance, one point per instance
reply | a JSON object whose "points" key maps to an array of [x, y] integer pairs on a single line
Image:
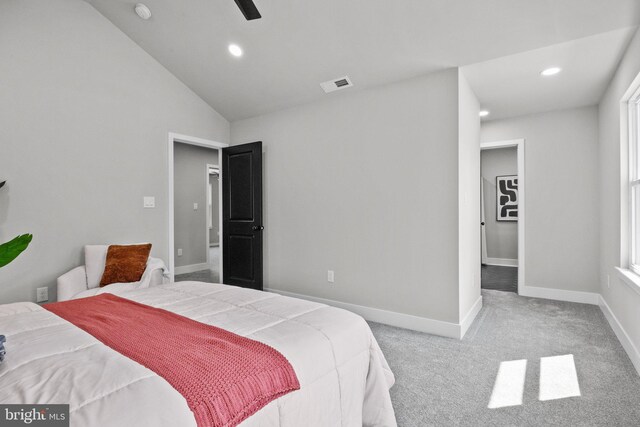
{"points": [[499, 278]]}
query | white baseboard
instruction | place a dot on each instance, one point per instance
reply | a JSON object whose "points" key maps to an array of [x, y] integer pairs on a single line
{"points": [[401, 320], [622, 335], [191, 268], [502, 262], [560, 295], [467, 320], [454, 330]]}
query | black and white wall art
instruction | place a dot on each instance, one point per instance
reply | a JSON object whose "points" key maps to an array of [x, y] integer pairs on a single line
{"points": [[507, 198]]}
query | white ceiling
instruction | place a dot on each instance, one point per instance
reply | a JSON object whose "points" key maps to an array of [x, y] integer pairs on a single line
{"points": [[298, 44], [512, 85]]}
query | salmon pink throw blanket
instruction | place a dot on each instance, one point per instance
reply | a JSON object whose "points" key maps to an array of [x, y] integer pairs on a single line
{"points": [[225, 378]]}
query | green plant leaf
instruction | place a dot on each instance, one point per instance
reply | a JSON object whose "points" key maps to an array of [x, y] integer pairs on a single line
{"points": [[10, 250]]}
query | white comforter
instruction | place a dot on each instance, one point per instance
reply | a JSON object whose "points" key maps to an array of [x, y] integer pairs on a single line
{"points": [[344, 376]]}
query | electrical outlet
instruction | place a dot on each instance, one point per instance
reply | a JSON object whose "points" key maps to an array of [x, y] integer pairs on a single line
{"points": [[179, 252], [42, 294], [195, 206], [149, 202], [330, 276]]}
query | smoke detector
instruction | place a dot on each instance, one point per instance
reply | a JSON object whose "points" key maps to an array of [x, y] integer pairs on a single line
{"points": [[142, 11], [336, 84]]}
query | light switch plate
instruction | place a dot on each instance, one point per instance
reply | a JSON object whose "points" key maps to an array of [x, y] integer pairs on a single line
{"points": [[330, 276], [195, 206], [179, 252], [149, 202], [42, 294]]}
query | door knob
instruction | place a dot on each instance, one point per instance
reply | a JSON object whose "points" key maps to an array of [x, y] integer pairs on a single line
{"points": [[482, 223], [257, 228]]}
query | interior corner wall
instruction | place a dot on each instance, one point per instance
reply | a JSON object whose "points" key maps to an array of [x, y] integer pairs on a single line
{"points": [[191, 185], [468, 197], [84, 121], [561, 164], [365, 183], [623, 301]]}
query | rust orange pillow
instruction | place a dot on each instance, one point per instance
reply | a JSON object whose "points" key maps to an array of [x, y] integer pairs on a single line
{"points": [[125, 263]]}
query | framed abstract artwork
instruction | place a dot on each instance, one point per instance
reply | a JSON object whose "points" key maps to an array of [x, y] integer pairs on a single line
{"points": [[507, 198]]}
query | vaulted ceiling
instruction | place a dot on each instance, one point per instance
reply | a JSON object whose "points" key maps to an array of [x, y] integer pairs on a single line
{"points": [[298, 44]]}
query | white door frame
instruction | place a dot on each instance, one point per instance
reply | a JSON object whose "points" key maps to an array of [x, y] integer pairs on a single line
{"points": [[200, 142], [208, 232], [519, 144], [483, 224]]}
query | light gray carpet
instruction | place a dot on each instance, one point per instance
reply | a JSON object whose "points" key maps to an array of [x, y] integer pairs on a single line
{"points": [[499, 278], [447, 382], [209, 276]]}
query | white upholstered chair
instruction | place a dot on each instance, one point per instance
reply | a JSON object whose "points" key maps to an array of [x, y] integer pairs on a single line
{"points": [[85, 280]]}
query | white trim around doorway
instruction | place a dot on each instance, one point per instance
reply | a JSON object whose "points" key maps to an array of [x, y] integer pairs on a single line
{"points": [[208, 245]]}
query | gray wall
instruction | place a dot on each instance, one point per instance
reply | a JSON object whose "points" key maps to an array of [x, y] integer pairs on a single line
{"points": [[623, 301], [502, 236], [561, 164], [190, 186], [468, 196], [84, 118], [365, 183]]}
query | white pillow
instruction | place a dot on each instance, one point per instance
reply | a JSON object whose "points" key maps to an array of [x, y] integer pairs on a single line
{"points": [[95, 258]]}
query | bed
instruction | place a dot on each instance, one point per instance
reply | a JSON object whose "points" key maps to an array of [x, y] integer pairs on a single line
{"points": [[344, 377]]}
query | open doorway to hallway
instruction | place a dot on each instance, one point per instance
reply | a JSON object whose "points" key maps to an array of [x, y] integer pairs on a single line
{"points": [[499, 218], [196, 195]]}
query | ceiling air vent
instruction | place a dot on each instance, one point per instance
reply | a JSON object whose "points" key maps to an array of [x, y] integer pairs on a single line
{"points": [[337, 84]]}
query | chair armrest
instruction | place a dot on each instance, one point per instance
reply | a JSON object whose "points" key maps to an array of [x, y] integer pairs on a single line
{"points": [[157, 277], [72, 283], [154, 274]]}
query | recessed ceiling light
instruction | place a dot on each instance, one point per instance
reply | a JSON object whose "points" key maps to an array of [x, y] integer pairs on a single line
{"points": [[484, 113], [235, 50], [142, 11], [551, 71]]}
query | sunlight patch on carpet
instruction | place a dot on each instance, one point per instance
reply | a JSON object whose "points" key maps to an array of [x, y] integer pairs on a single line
{"points": [[558, 378], [509, 386]]}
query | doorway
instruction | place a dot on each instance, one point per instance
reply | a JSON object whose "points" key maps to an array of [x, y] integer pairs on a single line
{"points": [[502, 215], [195, 205]]}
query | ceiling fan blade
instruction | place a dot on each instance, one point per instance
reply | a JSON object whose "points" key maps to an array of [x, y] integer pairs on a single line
{"points": [[249, 9]]}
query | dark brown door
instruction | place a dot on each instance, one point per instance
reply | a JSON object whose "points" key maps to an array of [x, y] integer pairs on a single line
{"points": [[242, 215]]}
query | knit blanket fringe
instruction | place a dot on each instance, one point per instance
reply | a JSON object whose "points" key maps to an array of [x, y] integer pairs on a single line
{"points": [[230, 408]]}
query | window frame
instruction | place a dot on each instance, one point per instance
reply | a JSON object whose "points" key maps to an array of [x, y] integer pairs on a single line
{"points": [[633, 111]]}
